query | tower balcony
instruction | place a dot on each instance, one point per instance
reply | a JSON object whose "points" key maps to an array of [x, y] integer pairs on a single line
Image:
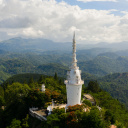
{"points": [[68, 82], [82, 82]]}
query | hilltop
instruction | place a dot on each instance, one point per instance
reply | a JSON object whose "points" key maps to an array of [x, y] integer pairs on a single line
{"points": [[17, 103], [19, 44], [116, 84]]}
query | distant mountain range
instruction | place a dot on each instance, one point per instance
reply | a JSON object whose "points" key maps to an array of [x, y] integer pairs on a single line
{"points": [[103, 65], [39, 45], [95, 61], [32, 45]]}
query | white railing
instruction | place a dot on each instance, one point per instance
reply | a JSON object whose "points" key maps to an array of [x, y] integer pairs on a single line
{"points": [[35, 114], [34, 109]]}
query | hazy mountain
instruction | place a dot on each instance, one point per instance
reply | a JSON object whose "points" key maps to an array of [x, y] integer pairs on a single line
{"points": [[111, 55], [114, 46], [2, 52], [103, 65], [122, 52], [38, 45]]}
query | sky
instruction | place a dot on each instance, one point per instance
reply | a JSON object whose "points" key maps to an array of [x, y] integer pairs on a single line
{"points": [[94, 21]]}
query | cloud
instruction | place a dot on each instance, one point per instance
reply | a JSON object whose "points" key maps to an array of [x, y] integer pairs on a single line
{"points": [[58, 20], [15, 22], [97, 0]]}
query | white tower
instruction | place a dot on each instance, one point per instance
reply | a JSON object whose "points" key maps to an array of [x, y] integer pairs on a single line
{"points": [[74, 82]]}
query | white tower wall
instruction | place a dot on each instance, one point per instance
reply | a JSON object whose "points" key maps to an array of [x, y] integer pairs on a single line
{"points": [[73, 94]]}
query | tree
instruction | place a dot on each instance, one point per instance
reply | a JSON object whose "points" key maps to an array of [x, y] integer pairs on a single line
{"points": [[1, 118], [76, 107], [41, 80], [62, 122], [36, 98], [1, 91], [55, 95], [16, 91], [15, 124], [58, 111], [25, 122], [109, 116], [31, 82], [53, 120], [87, 102], [60, 82], [2, 102], [48, 94], [92, 120], [72, 120], [93, 86], [55, 76]]}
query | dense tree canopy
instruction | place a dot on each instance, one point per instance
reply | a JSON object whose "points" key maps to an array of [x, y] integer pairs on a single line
{"points": [[93, 86], [15, 92], [36, 98], [19, 97]]}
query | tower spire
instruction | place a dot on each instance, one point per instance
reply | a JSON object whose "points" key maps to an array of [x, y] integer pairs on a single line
{"points": [[74, 36], [74, 60]]}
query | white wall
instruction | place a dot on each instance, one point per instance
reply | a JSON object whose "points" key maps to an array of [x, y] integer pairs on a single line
{"points": [[73, 94]]}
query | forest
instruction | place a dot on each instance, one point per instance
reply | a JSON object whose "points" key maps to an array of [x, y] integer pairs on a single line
{"points": [[17, 97], [27, 63]]}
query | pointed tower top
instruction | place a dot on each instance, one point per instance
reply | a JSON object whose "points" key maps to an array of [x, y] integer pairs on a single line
{"points": [[74, 61]]}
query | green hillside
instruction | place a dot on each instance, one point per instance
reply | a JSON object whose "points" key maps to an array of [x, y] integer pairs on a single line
{"points": [[3, 76], [117, 85], [48, 63], [18, 97], [90, 61], [103, 65]]}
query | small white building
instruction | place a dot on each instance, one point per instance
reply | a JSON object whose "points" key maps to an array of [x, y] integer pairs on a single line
{"points": [[43, 87], [54, 106], [74, 82]]}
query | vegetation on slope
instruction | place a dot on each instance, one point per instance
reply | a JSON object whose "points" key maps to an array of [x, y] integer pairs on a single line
{"points": [[103, 65], [117, 85], [18, 97], [112, 108], [49, 62]]}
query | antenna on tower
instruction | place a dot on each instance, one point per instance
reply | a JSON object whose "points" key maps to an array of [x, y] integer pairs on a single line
{"points": [[74, 36]]}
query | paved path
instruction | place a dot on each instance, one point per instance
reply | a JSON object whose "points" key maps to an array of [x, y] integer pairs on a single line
{"points": [[41, 112]]}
